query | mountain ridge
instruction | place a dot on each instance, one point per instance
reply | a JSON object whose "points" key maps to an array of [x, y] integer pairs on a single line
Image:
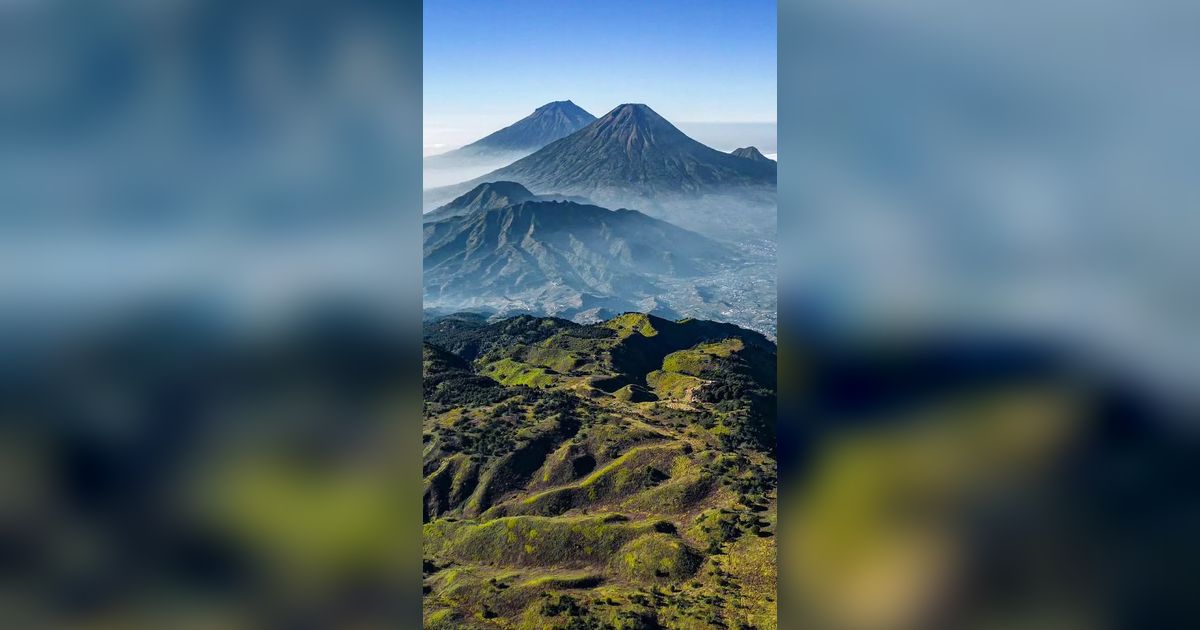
{"points": [[492, 196], [486, 196]]}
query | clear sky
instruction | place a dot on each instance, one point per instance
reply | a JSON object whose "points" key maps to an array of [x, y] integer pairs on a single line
{"points": [[490, 62]]}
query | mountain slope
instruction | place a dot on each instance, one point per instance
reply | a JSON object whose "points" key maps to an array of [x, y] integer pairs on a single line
{"points": [[751, 153], [635, 158], [620, 474], [560, 258], [545, 125]]}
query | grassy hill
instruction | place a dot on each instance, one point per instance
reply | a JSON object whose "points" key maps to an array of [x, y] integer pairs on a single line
{"points": [[615, 475]]}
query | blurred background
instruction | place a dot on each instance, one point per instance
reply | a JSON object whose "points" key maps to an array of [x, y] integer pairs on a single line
{"points": [[209, 311], [988, 314], [209, 314]]}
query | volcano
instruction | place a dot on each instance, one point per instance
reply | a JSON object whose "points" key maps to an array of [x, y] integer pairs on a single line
{"points": [[546, 124]]}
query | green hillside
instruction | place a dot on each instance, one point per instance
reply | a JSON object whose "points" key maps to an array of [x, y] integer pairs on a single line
{"points": [[615, 475]]}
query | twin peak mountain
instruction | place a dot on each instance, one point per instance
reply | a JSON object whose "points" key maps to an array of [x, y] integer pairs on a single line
{"points": [[630, 157]]}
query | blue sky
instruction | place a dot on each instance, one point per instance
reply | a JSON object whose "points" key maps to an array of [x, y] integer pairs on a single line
{"points": [[489, 62]]}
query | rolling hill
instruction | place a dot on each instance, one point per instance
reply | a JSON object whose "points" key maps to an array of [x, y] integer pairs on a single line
{"points": [[620, 474]]}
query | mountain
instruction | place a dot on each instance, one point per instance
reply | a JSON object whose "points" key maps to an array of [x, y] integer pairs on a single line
{"points": [[545, 125], [491, 196], [486, 196], [614, 475], [632, 152], [633, 157], [751, 153], [563, 258]]}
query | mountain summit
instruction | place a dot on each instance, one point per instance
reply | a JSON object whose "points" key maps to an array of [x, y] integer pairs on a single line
{"points": [[751, 153], [486, 196], [545, 125], [638, 129], [491, 196]]}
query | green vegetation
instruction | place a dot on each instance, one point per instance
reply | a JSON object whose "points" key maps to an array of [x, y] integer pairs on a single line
{"points": [[699, 360], [566, 581], [557, 359], [657, 556], [534, 540], [632, 323], [637, 470], [673, 384], [510, 372], [598, 476], [634, 394]]}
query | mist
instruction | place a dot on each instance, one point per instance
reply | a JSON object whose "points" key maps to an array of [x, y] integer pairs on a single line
{"points": [[447, 169], [724, 136]]}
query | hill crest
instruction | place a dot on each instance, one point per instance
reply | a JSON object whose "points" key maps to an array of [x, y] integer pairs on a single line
{"points": [[751, 153]]}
